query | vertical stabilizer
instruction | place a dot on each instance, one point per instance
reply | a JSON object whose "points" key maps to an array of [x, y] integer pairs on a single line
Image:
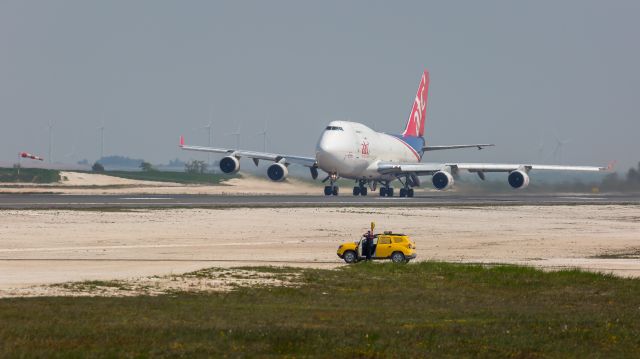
{"points": [[415, 124]]}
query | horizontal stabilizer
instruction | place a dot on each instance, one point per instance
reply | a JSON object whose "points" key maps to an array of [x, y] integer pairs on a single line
{"points": [[453, 147]]}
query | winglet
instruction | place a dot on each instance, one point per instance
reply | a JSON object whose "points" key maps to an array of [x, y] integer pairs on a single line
{"points": [[611, 165], [181, 141]]}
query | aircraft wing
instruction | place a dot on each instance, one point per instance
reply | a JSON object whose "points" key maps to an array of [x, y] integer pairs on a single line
{"points": [[453, 147], [431, 168], [254, 155]]}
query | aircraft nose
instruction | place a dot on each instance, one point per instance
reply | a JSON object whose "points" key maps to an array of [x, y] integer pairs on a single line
{"points": [[326, 145], [331, 144], [330, 151]]}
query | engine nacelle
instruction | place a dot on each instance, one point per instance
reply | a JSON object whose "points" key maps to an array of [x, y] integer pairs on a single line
{"points": [[442, 180], [277, 172], [229, 164], [518, 179]]}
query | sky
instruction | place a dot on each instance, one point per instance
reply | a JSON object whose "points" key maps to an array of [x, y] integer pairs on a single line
{"points": [[518, 74]]}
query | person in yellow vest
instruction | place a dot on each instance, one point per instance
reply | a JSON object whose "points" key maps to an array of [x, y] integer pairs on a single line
{"points": [[368, 243]]}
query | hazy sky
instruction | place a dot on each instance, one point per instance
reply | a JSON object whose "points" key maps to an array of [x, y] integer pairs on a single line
{"points": [[513, 73]]}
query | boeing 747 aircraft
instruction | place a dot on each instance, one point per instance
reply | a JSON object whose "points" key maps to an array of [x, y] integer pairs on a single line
{"points": [[354, 151]]}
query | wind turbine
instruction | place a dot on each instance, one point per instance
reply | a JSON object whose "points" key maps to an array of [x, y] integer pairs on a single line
{"points": [[557, 151], [209, 128], [101, 129], [71, 155], [264, 137], [541, 148], [50, 141], [237, 135]]}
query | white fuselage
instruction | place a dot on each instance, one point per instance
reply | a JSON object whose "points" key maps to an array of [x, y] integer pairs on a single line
{"points": [[353, 150]]}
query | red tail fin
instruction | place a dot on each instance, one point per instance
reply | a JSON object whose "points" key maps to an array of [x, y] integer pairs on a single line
{"points": [[415, 124]]}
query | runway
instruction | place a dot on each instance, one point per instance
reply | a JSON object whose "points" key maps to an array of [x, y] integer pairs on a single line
{"points": [[57, 201]]}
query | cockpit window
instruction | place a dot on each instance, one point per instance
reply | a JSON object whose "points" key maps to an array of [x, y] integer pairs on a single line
{"points": [[334, 128]]}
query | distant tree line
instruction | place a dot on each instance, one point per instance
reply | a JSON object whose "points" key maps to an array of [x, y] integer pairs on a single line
{"points": [[97, 167], [631, 181], [195, 166], [120, 161]]}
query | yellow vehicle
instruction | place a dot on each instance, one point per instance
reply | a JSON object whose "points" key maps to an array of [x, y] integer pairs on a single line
{"points": [[397, 247]]}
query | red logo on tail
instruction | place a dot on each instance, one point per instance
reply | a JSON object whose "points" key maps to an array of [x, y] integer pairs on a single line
{"points": [[415, 125]]}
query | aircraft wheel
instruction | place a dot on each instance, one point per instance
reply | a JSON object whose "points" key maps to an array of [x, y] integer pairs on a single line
{"points": [[403, 192], [390, 192], [398, 257], [410, 192], [349, 257], [363, 191], [383, 191], [356, 191], [328, 191], [335, 190]]}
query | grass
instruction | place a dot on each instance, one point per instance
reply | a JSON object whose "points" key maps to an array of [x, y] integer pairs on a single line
{"points": [[29, 175], [366, 310], [167, 176]]}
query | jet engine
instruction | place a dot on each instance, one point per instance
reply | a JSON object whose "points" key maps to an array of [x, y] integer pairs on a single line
{"points": [[442, 180], [518, 179], [229, 164], [277, 172]]}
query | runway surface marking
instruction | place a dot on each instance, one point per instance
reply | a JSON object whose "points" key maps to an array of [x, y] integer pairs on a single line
{"points": [[53, 201], [145, 198]]}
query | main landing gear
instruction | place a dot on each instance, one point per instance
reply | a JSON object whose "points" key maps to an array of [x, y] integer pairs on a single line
{"points": [[386, 190], [406, 190], [363, 186], [360, 189]]}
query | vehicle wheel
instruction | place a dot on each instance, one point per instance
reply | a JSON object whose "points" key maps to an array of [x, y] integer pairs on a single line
{"points": [[328, 190], [397, 257], [356, 191], [335, 190], [349, 257], [403, 192], [390, 192], [363, 191], [410, 192], [383, 191]]}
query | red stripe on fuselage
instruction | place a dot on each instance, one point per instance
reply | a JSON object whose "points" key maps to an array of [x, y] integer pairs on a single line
{"points": [[409, 147]]}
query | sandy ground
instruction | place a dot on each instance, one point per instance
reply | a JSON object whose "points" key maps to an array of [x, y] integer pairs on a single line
{"points": [[47, 246], [206, 280], [98, 184]]}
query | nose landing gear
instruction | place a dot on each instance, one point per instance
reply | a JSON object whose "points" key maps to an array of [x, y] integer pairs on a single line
{"points": [[332, 189]]}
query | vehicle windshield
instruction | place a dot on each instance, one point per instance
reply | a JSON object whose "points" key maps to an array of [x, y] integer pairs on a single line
{"points": [[334, 128]]}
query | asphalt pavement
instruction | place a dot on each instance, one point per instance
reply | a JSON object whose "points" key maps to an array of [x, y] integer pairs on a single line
{"points": [[57, 201]]}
